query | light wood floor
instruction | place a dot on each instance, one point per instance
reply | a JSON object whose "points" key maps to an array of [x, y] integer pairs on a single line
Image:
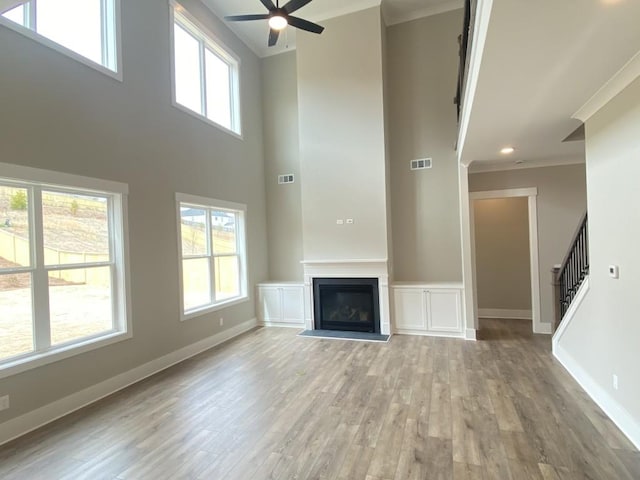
{"points": [[273, 405]]}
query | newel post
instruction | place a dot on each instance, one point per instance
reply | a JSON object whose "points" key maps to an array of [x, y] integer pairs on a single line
{"points": [[555, 275]]}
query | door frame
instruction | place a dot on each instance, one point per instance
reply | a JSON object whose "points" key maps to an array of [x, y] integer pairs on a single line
{"points": [[532, 195]]}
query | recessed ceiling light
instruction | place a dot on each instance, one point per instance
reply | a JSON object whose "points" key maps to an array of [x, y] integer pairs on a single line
{"points": [[507, 150]]}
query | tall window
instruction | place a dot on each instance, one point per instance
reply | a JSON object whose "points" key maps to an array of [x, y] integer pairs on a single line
{"points": [[87, 28], [212, 246], [61, 268], [205, 79]]}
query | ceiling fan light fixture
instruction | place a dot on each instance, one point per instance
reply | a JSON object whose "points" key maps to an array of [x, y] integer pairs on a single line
{"points": [[278, 22]]}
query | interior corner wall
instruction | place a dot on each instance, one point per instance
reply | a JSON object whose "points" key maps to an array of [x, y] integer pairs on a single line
{"points": [[342, 144], [503, 269], [602, 338], [282, 156], [59, 114], [422, 67], [561, 200]]}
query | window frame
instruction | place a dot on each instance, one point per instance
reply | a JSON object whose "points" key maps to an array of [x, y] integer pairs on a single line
{"points": [[35, 181], [210, 204], [113, 53], [179, 15]]}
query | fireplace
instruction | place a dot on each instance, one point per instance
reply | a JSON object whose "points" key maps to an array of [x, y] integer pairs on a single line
{"points": [[347, 304]]}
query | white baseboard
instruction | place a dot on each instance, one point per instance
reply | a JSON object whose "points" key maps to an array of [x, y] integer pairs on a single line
{"points": [[37, 418], [504, 313], [618, 414], [573, 308], [422, 333], [281, 324], [543, 328]]}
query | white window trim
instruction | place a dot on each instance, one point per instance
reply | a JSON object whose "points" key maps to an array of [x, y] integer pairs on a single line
{"points": [[35, 36], [215, 44], [242, 253], [122, 318]]}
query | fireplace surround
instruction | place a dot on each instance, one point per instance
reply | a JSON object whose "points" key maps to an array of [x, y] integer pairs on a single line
{"points": [[347, 269]]}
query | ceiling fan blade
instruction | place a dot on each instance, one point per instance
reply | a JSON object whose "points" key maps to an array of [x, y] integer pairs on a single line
{"points": [[294, 5], [273, 37], [269, 4], [245, 18], [304, 24]]}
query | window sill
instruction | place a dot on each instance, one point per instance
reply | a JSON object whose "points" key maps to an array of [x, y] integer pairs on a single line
{"points": [[213, 308], [55, 354], [42, 40], [204, 119]]}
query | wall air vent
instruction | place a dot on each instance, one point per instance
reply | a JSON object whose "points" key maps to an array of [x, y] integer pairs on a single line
{"points": [[285, 179], [421, 164]]}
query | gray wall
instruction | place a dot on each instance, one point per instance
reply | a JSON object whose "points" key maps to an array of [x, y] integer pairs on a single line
{"points": [[562, 201], [422, 68], [281, 153], [342, 143], [503, 273], [603, 337], [60, 115]]}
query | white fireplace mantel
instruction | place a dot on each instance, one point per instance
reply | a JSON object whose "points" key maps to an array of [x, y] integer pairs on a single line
{"points": [[355, 268]]}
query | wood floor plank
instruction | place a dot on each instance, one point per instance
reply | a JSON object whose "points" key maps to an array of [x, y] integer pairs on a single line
{"points": [[273, 406]]}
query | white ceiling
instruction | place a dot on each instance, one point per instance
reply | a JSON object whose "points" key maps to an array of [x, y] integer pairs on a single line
{"points": [[542, 61], [255, 33]]}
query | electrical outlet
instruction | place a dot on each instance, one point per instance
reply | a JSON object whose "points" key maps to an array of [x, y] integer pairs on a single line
{"points": [[615, 381], [221, 321], [349, 221], [4, 402]]}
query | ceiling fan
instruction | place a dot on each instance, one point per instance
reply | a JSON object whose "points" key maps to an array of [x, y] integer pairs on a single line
{"points": [[279, 18]]}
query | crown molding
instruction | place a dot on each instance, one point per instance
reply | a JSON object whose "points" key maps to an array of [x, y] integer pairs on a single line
{"points": [[621, 80], [493, 166], [442, 7]]}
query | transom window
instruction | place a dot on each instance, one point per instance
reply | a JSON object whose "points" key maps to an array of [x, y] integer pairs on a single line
{"points": [[87, 28], [61, 268], [212, 247], [205, 74]]}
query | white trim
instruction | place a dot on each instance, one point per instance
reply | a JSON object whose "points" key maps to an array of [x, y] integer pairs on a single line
{"points": [[210, 202], [509, 193], [531, 193], [267, 323], [37, 418], [35, 360], [180, 15], [442, 7], [423, 333], [41, 39], [570, 313], [470, 334], [538, 326], [616, 84], [505, 313], [46, 178], [198, 312], [469, 307], [616, 412], [240, 210], [339, 262], [500, 166], [481, 27], [37, 180]]}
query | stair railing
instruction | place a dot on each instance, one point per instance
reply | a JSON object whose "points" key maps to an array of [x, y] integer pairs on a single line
{"points": [[573, 270]]}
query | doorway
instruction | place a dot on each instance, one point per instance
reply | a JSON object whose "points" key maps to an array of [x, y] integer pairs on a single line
{"points": [[504, 241]]}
